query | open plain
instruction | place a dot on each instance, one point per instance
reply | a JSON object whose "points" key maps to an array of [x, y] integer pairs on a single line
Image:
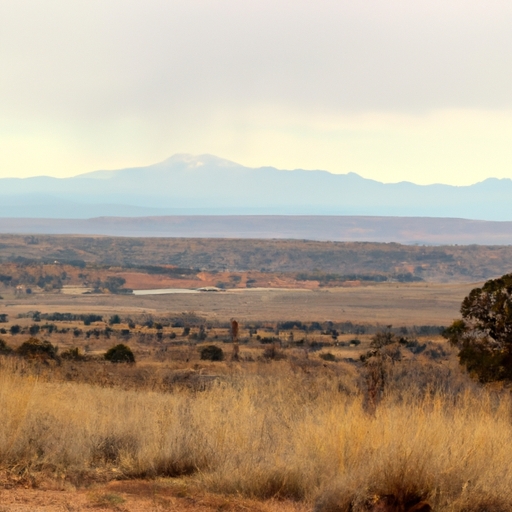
{"points": [[382, 304], [302, 406]]}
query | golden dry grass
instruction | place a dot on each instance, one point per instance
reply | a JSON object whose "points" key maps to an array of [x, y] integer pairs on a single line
{"points": [[281, 433]]}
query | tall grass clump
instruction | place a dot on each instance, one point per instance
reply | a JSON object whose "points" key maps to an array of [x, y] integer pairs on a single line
{"points": [[281, 433]]}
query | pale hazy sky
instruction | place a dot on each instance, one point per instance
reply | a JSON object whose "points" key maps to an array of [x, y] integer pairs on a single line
{"points": [[390, 89]]}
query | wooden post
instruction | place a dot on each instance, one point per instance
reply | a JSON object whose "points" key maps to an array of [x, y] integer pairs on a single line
{"points": [[234, 339]]}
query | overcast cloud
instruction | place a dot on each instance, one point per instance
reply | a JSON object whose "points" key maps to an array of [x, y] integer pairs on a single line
{"points": [[392, 90]]}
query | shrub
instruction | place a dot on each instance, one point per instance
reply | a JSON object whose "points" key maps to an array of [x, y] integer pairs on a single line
{"points": [[273, 353], [483, 335], [415, 347], [383, 338], [327, 356], [114, 319], [34, 348], [266, 340], [73, 354], [114, 284], [34, 329], [120, 354], [49, 327], [89, 319], [4, 348], [212, 353], [15, 329]]}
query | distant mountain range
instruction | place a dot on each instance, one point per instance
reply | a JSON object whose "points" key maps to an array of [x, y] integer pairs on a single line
{"points": [[207, 185]]}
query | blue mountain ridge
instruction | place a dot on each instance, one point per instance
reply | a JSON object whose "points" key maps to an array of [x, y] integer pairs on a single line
{"points": [[208, 185]]}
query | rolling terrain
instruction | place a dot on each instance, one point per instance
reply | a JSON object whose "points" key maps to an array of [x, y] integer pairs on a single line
{"points": [[304, 260], [406, 230]]}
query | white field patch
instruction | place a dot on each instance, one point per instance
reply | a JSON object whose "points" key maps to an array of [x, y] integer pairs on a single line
{"points": [[75, 290]]}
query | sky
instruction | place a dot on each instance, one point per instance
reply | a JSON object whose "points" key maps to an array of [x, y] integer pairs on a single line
{"points": [[393, 90]]}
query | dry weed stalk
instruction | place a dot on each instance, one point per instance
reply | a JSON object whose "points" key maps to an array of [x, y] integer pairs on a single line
{"points": [[274, 431]]}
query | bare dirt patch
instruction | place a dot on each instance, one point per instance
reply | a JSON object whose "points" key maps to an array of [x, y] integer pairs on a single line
{"points": [[133, 496]]}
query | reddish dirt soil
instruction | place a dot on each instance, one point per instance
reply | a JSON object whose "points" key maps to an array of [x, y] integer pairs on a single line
{"points": [[141, 281], [133, 496]]}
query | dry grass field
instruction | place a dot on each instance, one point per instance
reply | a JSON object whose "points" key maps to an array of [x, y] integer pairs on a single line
{"points": [[396, 304], [297, 421], [291, 431]]}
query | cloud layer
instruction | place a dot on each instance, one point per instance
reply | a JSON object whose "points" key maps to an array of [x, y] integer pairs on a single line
{"points": [[389, 89]]}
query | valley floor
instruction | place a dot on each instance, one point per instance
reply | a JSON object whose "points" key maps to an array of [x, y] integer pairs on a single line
{"points": [[397, 304]]}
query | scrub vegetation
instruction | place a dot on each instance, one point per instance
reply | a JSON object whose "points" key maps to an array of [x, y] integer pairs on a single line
{"points": [[317, 433], [325, 262], [294, 414]]}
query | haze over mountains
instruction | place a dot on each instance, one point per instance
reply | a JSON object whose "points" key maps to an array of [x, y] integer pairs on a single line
{"points": [[207, 185], [341, 228]]}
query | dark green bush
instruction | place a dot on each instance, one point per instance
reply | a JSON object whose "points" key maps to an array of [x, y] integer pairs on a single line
{"points": [[34, 329], [415, 347], [4, 348], [120, 354], [114, 319], [483, 332], [327, 356], [34, 348], [212, 353], [266, 340], [15, 329], [89, 319]]}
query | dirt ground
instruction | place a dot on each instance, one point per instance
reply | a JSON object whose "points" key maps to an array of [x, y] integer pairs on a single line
{"points": [[133, 496], [396, 304]]}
